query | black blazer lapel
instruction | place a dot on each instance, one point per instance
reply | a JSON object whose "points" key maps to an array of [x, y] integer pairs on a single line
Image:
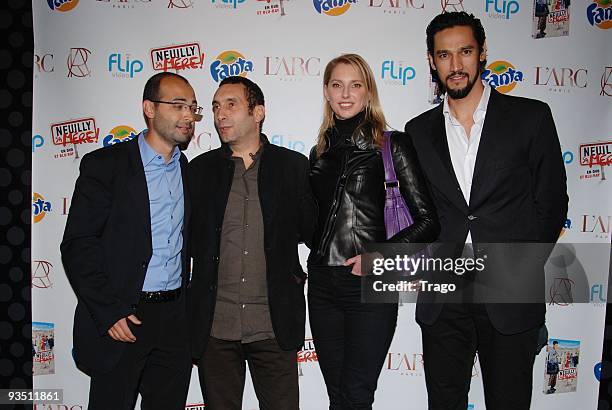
{"points": [[186, 195], [494, 124], [443, 174], [268, 184], [137, 186]]}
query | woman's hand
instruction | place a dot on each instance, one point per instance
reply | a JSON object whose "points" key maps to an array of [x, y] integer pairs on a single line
{"points": [[356, 262]]}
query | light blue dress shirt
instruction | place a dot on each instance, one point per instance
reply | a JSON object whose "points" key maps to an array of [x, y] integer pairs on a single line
{"points": [[166, 203]]}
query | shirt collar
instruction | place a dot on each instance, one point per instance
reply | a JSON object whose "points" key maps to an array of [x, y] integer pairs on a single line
{"points": [[481, 109], [148, 154], [227, 151]]}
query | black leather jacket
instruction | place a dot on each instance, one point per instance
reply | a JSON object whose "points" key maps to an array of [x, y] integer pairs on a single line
{"points": [[351, 209]]}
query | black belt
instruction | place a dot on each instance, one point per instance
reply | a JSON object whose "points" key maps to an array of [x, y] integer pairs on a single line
{"points": [[160, 296]]}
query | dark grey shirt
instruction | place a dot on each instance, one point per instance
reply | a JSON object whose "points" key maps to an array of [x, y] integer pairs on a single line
{"points": [[242, 311]]}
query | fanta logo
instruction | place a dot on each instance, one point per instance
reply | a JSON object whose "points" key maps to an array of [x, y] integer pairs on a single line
{"points": [[40, 207], [230, 63], [121, 133], [597, 371], [62, 5], [599, 14], [566, 226], [332, 7], [502, 76]]}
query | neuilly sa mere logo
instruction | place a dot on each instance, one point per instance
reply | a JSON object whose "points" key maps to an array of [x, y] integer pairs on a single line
{"points": [[81, 131], [502, 75], [332, 7], [120, 133], [230, 63], [599, 14], [177, 57], [62, 5]]}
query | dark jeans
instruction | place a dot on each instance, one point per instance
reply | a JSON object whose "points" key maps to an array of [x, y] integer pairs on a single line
{"points": [[351, 338], [157, 365], [274, 373], [506, 361]]}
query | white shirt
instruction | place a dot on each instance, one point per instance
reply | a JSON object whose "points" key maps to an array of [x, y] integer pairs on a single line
{"points": [[462, 149]]}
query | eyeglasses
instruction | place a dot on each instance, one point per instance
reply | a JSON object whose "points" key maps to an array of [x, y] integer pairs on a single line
{"points": [[179, 106]]}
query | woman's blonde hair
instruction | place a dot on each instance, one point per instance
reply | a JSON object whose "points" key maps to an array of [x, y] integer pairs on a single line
{"points": [[373, 125]]}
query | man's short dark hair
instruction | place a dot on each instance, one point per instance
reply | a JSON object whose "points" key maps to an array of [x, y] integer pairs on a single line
{"points": [[253, 93], [453, 19], [151, 89], [555, 342]]}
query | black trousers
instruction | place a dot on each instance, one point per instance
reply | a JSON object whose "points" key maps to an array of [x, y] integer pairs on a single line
{"points": [[274, 373], [449, 348], [351, 338], [157, 365]]}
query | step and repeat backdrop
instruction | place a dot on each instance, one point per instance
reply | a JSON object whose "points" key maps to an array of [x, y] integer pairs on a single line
{"points": [[92, 58]]}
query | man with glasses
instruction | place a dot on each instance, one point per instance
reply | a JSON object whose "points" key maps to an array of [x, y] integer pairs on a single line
{"points": [[124, 252], [251, 206]]}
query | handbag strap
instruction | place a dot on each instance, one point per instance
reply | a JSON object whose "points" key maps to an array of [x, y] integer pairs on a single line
{"points": [[390, 175]]}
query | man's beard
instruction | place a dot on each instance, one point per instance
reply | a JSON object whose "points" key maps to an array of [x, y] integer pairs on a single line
{"points": [[459, 93]]}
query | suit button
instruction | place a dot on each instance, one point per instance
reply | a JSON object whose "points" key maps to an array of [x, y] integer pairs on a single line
{"points": [[144, 264], [472, 217], [215, 258], [212, 288], [218, 229]]}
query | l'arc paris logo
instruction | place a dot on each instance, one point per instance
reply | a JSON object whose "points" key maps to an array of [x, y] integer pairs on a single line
{"points": [[180, 4], [40, 274], [230, 63], [40, 207], [561, 292], [62, 5], [44, 63], [77, 62], [502, 76], [121, 133], [606, 82], [451, 5], [599, 14], [332, 7]]}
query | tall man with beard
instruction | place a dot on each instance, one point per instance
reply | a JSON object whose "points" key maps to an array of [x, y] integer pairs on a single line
{"points": [[124, 252], [252, 205], [495, 171]]}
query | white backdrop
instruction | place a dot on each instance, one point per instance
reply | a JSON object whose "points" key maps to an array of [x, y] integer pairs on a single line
{"points": [[92, 58]]}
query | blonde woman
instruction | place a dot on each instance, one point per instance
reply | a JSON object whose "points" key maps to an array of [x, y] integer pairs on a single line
{"points": [[347, 178]]}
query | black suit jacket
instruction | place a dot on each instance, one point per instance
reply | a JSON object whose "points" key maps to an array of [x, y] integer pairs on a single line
{"points": [[107, 247], [518, 190], [288, 211]]}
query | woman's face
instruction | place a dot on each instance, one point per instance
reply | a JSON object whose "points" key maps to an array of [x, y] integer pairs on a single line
{"points": [[346, 91]]}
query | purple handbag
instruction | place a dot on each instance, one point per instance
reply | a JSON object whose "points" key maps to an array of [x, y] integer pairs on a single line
{"points": [[397, 215]]}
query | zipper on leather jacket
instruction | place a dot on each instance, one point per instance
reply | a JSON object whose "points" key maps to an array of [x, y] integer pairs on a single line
{"points": [[331, 218]]}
